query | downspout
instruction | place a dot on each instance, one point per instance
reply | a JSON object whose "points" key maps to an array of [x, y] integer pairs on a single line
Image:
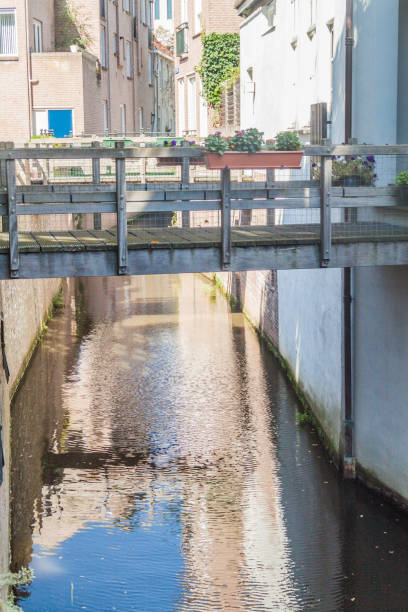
{"points": [[29, 73], [349, 464], [108, 70]]}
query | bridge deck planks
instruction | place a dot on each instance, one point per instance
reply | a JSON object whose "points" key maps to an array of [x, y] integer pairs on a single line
{"points": [[207, 237]]}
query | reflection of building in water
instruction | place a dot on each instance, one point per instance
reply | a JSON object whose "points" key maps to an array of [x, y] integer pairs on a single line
{"points": [[166, 406]]}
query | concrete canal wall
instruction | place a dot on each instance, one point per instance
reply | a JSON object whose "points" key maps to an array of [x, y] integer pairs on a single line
{"points": [[301, 315], [25, 305]]}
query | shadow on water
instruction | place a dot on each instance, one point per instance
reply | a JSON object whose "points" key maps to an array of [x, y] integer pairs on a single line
{"points": [[158, 465]]}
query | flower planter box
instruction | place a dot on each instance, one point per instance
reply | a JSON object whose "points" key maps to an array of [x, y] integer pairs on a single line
{"points": [[241, 160]]}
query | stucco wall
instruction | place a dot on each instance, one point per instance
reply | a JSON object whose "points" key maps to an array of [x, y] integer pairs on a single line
{"points": [[381, 393]]}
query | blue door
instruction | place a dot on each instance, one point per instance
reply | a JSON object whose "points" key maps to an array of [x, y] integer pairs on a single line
{"points": [[61, 122]]}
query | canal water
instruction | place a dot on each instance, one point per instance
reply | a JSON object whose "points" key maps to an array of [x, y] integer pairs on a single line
{"points": [[159, 465]]}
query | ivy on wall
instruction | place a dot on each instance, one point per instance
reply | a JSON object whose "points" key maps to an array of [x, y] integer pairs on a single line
{"points": [[219, 63]]}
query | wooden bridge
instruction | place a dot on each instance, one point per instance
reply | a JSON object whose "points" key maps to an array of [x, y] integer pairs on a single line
{"points": [[344, 239]]}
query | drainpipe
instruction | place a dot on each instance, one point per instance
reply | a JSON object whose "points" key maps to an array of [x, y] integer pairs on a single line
{"points": [[349, 464], [29, 72], [108, 69]]}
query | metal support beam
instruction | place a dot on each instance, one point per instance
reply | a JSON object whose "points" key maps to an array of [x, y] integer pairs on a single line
{"points": [[325, 211], [96, 180], [121, 216], [12, 214], [226, 218]]}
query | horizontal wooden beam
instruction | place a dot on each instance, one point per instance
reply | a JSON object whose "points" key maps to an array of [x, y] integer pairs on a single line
{"points": [[194, 260], [183, 152]]}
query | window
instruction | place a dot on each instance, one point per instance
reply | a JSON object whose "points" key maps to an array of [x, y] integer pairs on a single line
{"points": [[141, 119], [102, 9], [184, 11], [149, 12], [105, 117], [157, 9], [169, 9], [192, 104], [143, 10], [128, 61], [38, 46], [8, 32], [126, 5], [270, 13], [312, 12], [181, 106], [123, 118], [134, 13], [181, 41], [103, 47], [150, 69], [198, 8]]}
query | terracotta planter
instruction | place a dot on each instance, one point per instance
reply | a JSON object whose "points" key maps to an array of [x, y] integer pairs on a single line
{"points": [[253, 161]]}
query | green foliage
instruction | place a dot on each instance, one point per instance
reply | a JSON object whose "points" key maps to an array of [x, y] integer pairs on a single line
{"points": [[402, 178], [219, 62], [363, 167], [250, 140], [287, 141], [215, 143], [73, 26]]}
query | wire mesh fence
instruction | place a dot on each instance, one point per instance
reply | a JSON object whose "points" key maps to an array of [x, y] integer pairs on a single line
{"points": [[360, 184]]}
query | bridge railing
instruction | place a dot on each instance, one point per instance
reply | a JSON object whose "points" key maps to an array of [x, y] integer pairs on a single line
{"points": [[169, 187]]}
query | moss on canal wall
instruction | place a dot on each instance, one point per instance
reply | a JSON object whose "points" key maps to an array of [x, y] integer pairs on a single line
{"points": [[57, 303], [307, 413]]}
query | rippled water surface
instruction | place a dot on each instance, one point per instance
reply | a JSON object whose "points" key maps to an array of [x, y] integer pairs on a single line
{"points": [[158, 466]]}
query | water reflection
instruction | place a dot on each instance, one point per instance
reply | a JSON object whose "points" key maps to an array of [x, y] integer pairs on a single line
{"points": [[157, 465]]}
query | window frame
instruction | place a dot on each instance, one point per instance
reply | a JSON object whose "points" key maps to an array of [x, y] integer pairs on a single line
{"points": [[150, 69], [128, 48], [38, 29], [198, 17], [11, 11], [103, 47]]}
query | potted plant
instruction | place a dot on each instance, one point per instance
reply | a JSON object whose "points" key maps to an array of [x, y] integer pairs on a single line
{"points": [[402, 182], [246, 150]]}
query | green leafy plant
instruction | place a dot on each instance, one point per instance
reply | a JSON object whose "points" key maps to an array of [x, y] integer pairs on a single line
{"points": [[215, 143], [250, 140], [402, 178], [362, 167], [219, 63], [285, 141]]}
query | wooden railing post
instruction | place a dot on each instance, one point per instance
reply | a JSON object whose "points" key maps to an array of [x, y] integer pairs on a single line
{"points": [[3, 182], [226, 218], [96, 179], [121, 215], [185, 184], [12, 216], [325, 211]]}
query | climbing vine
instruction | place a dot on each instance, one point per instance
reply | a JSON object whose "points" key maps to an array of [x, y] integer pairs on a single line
{"points": [[72, 26], [219, 63]]}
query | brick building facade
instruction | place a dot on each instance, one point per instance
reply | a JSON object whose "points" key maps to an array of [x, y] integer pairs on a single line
{"points": [[191, 18], [75, 67]]}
